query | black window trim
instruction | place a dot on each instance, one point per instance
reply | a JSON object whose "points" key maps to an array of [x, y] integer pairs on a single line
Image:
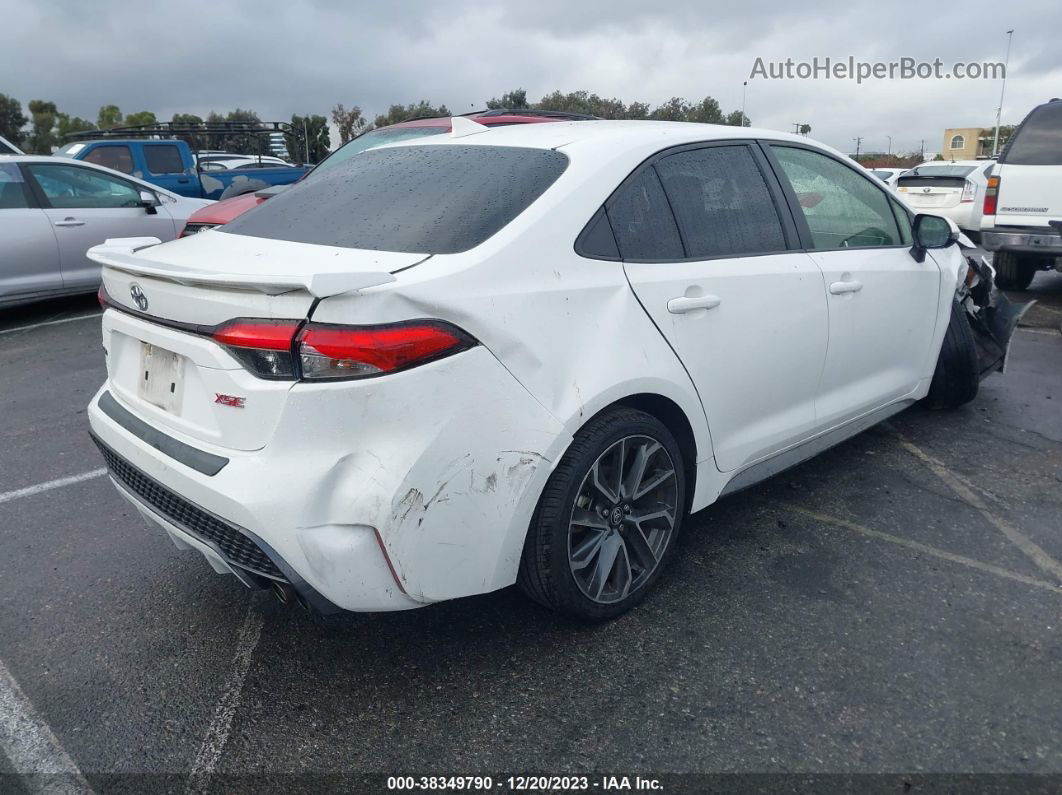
{"points": [[808, 245], [790, 230], [29, 189], [42, 198]]}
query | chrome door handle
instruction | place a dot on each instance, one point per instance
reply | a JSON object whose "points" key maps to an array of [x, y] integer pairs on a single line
{"points": [[678, 306], [70, 222], [840, 288]]}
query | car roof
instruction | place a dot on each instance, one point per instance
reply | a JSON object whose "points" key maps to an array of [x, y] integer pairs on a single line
{"points": [[986, 162], [614, 135]]}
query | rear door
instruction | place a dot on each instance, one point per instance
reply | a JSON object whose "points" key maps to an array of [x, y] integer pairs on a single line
{"points": [[712, 259], [882, 302], [1030, 171], [30, 260], [166, 168], [85, 206]]}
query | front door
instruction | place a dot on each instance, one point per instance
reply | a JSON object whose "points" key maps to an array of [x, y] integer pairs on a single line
{"points": [[882, 302], [87, 206]]}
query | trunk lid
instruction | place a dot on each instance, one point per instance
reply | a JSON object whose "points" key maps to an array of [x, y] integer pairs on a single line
{"points": [[161, 362], [929, 192]]}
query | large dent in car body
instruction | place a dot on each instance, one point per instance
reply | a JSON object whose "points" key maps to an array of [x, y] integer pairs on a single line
{"points": [[993, 317]]}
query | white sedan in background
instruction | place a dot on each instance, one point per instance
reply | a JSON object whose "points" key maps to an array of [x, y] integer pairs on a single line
{"points": [[888, 175], [52, 211], [518, 355], [955, 190]]}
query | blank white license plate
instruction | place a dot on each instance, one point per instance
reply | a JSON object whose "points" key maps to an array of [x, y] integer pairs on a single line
{"points": [[161, 373]]}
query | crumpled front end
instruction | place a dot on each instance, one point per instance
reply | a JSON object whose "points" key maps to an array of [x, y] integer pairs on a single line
{"points": [[992, 315]]}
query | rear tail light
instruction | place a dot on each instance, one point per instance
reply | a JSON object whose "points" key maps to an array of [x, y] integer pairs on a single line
{"points": [[329, 352], [262, 346], [968, 191], [991, 196], [291, 349]]}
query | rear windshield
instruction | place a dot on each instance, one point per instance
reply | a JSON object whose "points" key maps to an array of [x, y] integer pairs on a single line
{"points": [[416, 199], [1038, 141]]}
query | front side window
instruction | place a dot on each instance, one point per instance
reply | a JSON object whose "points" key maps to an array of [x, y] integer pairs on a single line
{"points": [[642, 220], [116, 156], [163, 159], [72, 187], [1039, 139], [721, 202], [417, 199], [843, 208]]}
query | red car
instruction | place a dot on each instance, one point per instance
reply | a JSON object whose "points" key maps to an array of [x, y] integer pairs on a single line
{"points": [[224, 211]]}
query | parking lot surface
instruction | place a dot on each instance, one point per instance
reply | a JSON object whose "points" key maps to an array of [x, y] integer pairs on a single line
{"points": [[892, 605]]}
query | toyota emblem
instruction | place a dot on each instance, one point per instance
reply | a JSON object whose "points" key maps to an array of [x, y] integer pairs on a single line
{"points": [[138, 297]]}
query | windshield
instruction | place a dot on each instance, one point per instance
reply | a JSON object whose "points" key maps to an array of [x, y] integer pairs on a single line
{"points": [[371, 139], [69, 150], [416, 199]]}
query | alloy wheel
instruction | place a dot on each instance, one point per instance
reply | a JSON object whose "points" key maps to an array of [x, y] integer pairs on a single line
{"points": [[622, 519]]}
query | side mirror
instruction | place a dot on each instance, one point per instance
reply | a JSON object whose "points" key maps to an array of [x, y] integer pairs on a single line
{"points": [[149, 201], [931, 231]]}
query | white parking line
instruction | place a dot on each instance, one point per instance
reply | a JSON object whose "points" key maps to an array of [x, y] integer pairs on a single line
{"points": [[1032, 550], [206, 761], [923, 548], [48, 323], [29, 491], [34, 751], [1045, 332]]}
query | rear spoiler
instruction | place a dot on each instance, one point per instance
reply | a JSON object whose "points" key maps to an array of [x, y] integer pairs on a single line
{"points": [[122, 254]]}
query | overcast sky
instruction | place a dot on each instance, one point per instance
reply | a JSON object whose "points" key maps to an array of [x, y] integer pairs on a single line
{"points": [[304, 56]]}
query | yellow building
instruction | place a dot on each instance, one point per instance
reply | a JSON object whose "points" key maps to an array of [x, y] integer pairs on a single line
{"points": [[967, 143]]}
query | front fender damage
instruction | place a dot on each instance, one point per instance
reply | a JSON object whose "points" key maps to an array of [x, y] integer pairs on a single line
{"points": [[993, 317]]}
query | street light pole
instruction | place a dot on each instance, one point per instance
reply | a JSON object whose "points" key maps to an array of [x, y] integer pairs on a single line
{"points": [[744, 89], [890, 145], [858, 142], [1002, 89]]}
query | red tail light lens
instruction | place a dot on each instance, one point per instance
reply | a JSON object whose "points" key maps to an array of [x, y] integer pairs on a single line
{"points": [[342, 352], [262, 346], [991, 196]]}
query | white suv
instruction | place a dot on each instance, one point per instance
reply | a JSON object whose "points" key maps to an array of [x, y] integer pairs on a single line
{"points": [[1022, 221]]}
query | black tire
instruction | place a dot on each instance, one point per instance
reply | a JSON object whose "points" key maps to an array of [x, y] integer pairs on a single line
{"points": [[956, 377], [1014, 271], [546, 572]]}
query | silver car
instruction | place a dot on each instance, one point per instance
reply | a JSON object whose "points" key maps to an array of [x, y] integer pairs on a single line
{"points": [[52, 211]]}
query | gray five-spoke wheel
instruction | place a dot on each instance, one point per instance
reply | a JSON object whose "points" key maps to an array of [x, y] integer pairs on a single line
{"points": [[622, 519]]}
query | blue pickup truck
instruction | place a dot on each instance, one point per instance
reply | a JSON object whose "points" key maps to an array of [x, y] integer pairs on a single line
{"points": [[170, 164]]}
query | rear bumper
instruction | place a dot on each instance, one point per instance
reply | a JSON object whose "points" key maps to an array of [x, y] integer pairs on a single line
{"points": [[1025, 241], [384, 494]]}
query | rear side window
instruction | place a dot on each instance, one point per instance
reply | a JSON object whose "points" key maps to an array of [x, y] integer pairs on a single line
{"points": [[642, 221], [417, 199], [163, 159], [12, 188], [1038, 141], [116, 156], [721, 202]]}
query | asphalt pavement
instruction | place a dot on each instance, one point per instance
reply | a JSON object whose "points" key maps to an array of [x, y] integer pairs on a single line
{"points": [[892, 606]]}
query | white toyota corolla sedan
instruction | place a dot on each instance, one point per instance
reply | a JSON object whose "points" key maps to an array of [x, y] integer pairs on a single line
{"points": [[519, 355]]}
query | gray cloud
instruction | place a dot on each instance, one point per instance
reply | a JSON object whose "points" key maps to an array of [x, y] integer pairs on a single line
{"points": [[307, 56]]}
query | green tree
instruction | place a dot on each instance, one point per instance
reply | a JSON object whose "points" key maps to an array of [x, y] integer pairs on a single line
{"points": [[638, 110], [309, 140], [420, 110], [197, 142], [737, 119], [351, 123], [143, 117], [510, 100], [109, 116], [583, 102], [804, 129], [12, 120], [675, 109], [68, 125], [43, 116]]}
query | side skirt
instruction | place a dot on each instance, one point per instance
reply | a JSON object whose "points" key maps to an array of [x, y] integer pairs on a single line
{"points": [[770, 467]]}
